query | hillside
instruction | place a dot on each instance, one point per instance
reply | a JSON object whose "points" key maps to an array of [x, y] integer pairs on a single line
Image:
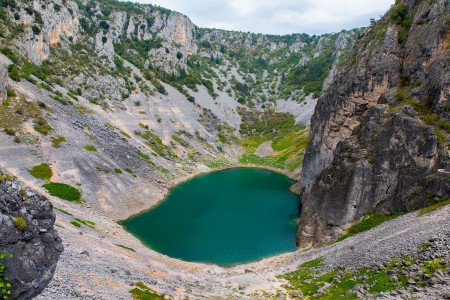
{"points": [[107, 105]]}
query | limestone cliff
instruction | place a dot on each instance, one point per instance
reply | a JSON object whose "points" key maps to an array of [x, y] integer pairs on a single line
{"points": [[27, 232], [379, 134]]}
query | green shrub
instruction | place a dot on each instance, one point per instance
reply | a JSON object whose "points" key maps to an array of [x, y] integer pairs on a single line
{"points": [[400, 15], [90, 148], [118, 171], [41, 126], [143, 292], [13, 73], [36, 29], [63, 191], [11, 93], [20, 223], [4, 280], [10, 131], [56, 141], [42, 171]]}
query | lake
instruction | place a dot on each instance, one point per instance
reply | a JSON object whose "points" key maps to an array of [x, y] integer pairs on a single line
{"points": [[226, 218]]}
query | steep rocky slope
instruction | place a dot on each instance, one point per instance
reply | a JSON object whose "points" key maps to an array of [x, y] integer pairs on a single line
{"points": [[28, 239], [118, 102], [156, 98], [379, 136]]}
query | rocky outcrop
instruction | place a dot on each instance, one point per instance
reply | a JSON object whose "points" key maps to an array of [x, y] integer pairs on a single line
{"points": [[379, 133], [27, 232]]}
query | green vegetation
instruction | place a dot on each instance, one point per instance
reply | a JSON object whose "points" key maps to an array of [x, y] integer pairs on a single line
{"points": [[433, 207], [62, 211], [369, 221], [288, 139], [215, 164], [75, 223], [11, 93], [90, 148], [42, 171], [56, 141], [118, 171], [143, 292], [4, 280], [63, 191], [41, 126], [125, 247], [155, 143], [312, 275], [85, 222], [20, 223], [125, 134]]}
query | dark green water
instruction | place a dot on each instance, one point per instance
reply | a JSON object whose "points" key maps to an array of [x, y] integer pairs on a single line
{"points": [[226, 217]]}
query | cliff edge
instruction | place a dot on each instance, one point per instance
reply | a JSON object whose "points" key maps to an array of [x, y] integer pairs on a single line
{"points": [[379, 135]]}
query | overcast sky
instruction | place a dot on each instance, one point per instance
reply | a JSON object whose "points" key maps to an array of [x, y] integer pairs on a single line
{"points": [[279, 16]]}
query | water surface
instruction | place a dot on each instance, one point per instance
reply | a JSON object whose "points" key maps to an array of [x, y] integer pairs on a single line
{"points": [[226, 217]]}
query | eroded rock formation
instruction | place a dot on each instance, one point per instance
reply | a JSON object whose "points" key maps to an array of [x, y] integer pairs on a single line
{"points": [[379, 133], [27, 232]]}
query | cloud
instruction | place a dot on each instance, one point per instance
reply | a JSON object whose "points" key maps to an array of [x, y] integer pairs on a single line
{"points": [[279, 16]]}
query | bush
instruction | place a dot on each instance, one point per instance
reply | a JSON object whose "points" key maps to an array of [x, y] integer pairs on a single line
{"points": [[42, 171], [41, 126], [36, 29], [11, 93], [56, 141], [63, 191], [90, 148], [118, 171], [20, 223], [400, 15], [4, 280], [13, 72]]}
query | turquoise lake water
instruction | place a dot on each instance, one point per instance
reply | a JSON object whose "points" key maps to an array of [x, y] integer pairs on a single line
{"points": [[227, 217]]}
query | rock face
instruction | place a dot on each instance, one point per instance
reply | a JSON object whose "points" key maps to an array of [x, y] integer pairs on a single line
{"points": [[379, 133], [35, 248]]}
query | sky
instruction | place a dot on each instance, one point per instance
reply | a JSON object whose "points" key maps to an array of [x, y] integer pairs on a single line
{"points": [[279, 16]]}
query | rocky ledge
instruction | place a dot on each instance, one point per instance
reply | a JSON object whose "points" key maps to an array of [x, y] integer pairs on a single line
{"points": [[27, 233]]}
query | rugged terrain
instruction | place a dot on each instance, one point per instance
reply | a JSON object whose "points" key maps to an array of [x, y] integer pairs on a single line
{"points": [[29, 243], [106, 105], [379, 135]]}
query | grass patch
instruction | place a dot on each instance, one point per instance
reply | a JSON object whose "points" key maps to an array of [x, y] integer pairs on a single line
{"points": [[62, 211], [368, 222], [289, 147], [56, 141], [433, 207], [75, 223], [85, 222], [42, 171], [143, 292], [90, 148], [125, 134], [311, 276], [63, 191], [125, 247], [215, 164]]}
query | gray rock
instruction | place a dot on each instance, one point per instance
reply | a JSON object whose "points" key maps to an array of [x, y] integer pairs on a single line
{"points": [[36, 248]]}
